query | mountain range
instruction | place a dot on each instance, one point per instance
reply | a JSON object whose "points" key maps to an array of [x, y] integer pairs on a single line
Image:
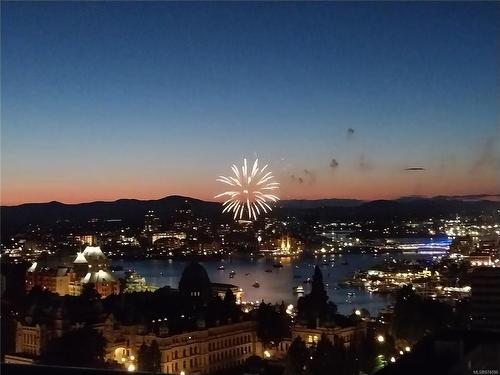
{"points": [[132, 211]]}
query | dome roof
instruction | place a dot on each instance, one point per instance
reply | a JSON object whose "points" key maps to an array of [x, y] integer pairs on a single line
{"points": [[98, 277], [93, 252], [80, 258], [33, 267], [194, 277]]}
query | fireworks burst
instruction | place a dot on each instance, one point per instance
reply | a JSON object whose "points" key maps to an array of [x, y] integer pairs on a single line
{"points": [[251, 191]]}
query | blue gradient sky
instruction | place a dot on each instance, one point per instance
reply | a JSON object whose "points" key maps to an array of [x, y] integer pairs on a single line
{"points": [[143, 100]]}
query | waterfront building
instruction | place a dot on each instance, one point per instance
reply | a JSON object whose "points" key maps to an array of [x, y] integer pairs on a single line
{"points": [[136, 283], [55, 280], [285, 245], [89, 266], [178, 235], [485, 298], [200, 348], [480, 259]]}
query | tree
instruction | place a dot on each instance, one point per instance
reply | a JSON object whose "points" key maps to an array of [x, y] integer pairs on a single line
{"points": [[318, 291], [89, 292], [407, 309], [271, 325], [143, 358], [149, 357], [314, 307], [323, 358], [229, 298], [425, 315], [67, 349], [155, 356], [296, 357]]}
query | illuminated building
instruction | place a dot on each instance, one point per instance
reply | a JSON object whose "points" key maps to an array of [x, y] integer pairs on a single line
{"points": [[89, 266], [347, 335], [55, 280], [490, 245], [285, 245], [169, 234], [220, 289], [485, 298], [88, 239], [136, 283], [203, 351], [151, 222], [480, 259]]}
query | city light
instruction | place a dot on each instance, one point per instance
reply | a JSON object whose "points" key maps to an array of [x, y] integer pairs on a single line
{"points": [[251, 191], [393, 359], [380, 338], [358, 312], [407, 349], [131, 367], [267, 354]]}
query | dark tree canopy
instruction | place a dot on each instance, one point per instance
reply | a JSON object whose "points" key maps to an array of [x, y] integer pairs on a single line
{"points": [[82, 347], [272, 325], [425, 315], [296, 357], [314, 308]]}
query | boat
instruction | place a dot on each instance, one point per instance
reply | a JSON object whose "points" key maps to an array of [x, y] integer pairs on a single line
{"points": [[221, 267], [298, 289], [256, 284], [269, 270], [344, 263], [248, 273], [231, 274], [277, 265], [307, 281]]}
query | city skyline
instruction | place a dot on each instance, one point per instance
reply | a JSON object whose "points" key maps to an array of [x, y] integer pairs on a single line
{"points": [[144, 100]]}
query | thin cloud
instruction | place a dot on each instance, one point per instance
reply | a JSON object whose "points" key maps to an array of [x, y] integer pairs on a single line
{"points": [[334, 163], [489, 156], [305, 176], [414, 169], [365, 164], [350, 133], [295, 179]]}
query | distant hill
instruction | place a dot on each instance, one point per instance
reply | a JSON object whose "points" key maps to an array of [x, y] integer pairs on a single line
{"points": [[132, 211], [320, 203]]}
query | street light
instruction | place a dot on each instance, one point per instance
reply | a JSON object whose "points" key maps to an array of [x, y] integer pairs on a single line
{"points": [[393, 359], [380, 338], [407, 349], [131, 367]]}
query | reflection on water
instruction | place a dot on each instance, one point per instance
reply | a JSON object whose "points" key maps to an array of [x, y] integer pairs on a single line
{"points": [[276, 284]]}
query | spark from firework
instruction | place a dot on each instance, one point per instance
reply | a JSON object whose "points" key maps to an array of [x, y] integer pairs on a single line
{"points": [[251, 191]]}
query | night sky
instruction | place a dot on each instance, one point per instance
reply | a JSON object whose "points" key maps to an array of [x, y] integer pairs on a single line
{"points": [[102, 101]]}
